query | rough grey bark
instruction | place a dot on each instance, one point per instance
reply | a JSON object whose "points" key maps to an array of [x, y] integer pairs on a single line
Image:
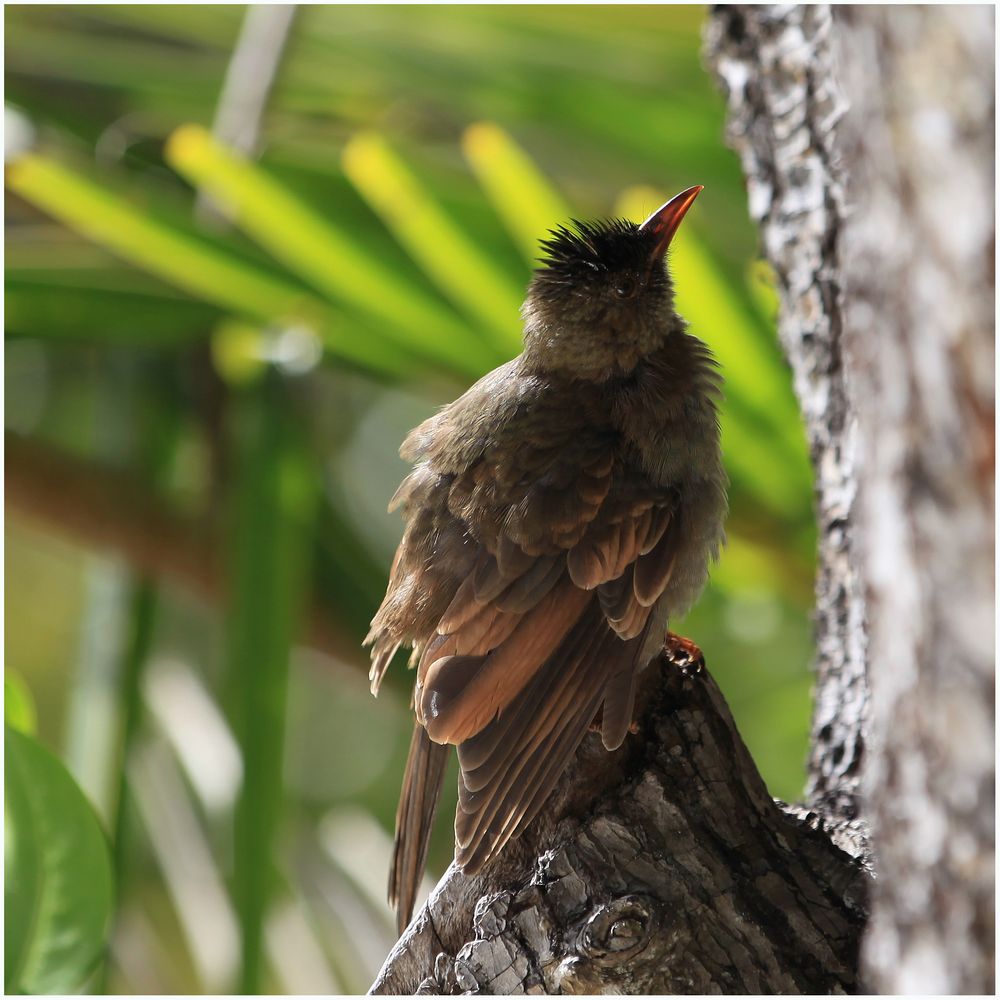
{"points": [[776, 67], [662, 868], [865, 139], [918, 266]]}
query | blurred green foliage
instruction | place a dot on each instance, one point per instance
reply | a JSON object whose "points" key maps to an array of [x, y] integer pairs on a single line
{"points": [[246, 340]]}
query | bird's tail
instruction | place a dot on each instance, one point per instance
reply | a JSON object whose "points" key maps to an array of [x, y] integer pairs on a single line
{"points": [[418, 800]]}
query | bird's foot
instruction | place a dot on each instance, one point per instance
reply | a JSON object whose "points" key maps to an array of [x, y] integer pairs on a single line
{"points": [[683, 653]]}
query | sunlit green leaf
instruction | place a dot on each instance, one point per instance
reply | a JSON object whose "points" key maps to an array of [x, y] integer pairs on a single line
{"points": [[521, 194], [237, 350], [57, 874], [190, 264], [320, 251], [18, 705], [105, 218], [450, 258], [746, 564], [761, 282], [706, 300]]}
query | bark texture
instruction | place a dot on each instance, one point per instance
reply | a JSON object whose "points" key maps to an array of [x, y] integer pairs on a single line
{"points": [[866, 138], [918, 266], [776, 67], [662, 868]]}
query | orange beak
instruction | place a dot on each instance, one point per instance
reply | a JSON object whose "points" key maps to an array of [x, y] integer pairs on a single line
{"points": [[665, 221]]}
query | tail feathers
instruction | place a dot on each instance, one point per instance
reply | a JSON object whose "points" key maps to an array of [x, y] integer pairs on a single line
{"points": [[418, 800]]}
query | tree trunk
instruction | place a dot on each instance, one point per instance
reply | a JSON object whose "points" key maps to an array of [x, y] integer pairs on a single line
{"points": [[666, 868], [918, 265], [776, 66]]}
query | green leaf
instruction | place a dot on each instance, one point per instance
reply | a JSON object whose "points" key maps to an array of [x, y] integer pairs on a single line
{"points": [[523, 197], [451, 259], [57, 311], [57, 873], [18, 705], [190, 264], [111, 221], [747, 564], [321, 252]]}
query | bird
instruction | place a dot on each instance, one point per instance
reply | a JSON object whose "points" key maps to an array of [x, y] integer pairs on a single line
{"points": [[558, 515]]}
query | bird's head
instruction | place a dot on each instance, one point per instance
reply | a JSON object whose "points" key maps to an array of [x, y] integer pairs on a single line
{"points": [[602, 298]]}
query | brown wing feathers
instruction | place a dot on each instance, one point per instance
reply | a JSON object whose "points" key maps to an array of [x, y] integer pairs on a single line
{"points": [[453, 711], [516, 656], [507, 776]]}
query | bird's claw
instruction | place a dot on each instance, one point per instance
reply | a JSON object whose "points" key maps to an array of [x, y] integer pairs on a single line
{"points": [[683, 653]]}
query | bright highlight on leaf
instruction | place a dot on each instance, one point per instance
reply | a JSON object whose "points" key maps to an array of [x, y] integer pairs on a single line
{"points": [[238, 352], [322, 253], [748, 565], [450, 258], [18, 705], [111, 221], [523, 197], [190, 264], [761, 282]]}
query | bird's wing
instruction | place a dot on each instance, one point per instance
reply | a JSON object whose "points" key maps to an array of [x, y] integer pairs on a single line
{"points": [[556, 512], [519, 711], [509, 768], [514, 609]]}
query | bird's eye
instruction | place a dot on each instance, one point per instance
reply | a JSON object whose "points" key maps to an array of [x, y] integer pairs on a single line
{"points": [[626, 287]]}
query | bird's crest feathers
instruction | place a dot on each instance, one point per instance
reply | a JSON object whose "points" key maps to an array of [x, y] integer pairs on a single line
{"points": [[607, 245]]}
